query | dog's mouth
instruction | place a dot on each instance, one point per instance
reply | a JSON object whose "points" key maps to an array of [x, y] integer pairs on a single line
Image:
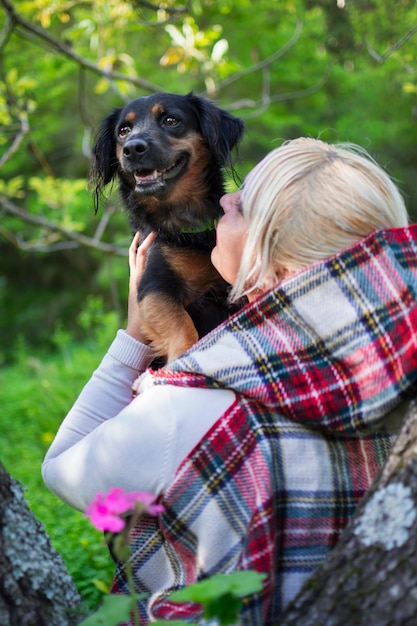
{"points": [[148, 178]]}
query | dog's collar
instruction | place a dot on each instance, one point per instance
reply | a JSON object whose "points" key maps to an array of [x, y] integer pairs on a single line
{"points": [[204, 227]]}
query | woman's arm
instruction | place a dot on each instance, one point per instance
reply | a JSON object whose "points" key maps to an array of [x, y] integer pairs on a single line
{"points": [[139, 449], [108, 391], [110, 387]]}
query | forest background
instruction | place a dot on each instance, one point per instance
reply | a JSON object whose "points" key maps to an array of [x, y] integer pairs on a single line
{"points": [[342, 70]]}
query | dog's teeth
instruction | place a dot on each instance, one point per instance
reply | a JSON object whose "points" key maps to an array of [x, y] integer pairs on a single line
{"points": [[145, 176], [141, 175]]}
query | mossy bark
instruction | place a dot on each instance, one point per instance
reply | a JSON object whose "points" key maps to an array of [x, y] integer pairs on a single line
{"points": [[35, 586], [370, 577]]}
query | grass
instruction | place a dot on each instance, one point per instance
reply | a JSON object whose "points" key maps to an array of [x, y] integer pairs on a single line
{"points": [[35, 395]]}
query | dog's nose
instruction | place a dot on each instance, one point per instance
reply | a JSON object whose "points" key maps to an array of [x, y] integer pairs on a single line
{"points": [[137, 146]]}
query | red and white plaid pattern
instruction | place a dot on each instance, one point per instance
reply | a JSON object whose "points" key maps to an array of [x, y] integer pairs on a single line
{"points": [[316, 365]]}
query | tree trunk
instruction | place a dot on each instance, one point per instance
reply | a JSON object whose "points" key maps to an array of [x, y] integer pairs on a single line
{"points": [[35, 586], [370, 577]]}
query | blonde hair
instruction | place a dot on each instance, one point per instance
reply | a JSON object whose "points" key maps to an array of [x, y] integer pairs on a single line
{"points": [[308, 200]]}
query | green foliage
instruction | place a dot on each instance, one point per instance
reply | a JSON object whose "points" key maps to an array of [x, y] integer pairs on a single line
{"points": [[36, 393], [114, 609], [63, 195], [342, 70], [220, 595], [39, 291]]}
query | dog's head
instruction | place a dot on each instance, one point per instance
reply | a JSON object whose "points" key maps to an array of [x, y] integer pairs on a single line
{"points": [[157, 141]]}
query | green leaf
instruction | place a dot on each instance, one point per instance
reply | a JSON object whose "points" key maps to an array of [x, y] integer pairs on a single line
{"points": [[409, 88], [114, 610], [239, 583], [224, 608], [100, 585], [102, 86], [220, 595]]}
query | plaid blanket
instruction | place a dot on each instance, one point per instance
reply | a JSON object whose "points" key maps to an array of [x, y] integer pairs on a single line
{"points": [[316, 365]]}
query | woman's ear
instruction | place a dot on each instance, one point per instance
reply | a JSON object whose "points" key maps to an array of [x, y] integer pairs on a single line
{"points": [[280, 273], [284, 273]]}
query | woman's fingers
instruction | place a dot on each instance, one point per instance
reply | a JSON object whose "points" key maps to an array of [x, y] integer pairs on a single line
{"points": [[146, 243], [135, 242], [138, 252], [137, 261]]}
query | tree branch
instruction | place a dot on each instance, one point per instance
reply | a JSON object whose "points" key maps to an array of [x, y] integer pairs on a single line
{"points": [[69, 52], [302, 93], [6, 32], [265, 62], [156, 7], [262, 105], [169, 11], [72, 236], [394, 48], [24, 130], [104, 220], [38, 246]]}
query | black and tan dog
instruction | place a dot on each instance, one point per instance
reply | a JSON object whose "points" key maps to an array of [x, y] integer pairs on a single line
{"points": [[168, 152]]}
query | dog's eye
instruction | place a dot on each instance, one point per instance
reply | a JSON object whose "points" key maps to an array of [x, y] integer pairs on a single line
{"points": [[124, 130], [170, 120]]}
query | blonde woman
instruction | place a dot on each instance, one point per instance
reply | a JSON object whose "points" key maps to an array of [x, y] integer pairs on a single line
{"points": [[261, 439]]}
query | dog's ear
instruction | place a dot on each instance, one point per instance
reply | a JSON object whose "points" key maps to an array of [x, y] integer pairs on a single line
{"points": [[104, 163], [221, 130]]}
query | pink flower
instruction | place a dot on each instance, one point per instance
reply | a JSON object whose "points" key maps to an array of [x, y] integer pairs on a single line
{"points": [[147, 499], [105, 511], [101, 518]]}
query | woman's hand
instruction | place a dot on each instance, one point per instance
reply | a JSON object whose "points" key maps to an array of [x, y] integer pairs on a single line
{"points": [[137, 262]]}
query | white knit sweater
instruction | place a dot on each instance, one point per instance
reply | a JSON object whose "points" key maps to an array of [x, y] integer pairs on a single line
{"points": [[107, 440]]}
